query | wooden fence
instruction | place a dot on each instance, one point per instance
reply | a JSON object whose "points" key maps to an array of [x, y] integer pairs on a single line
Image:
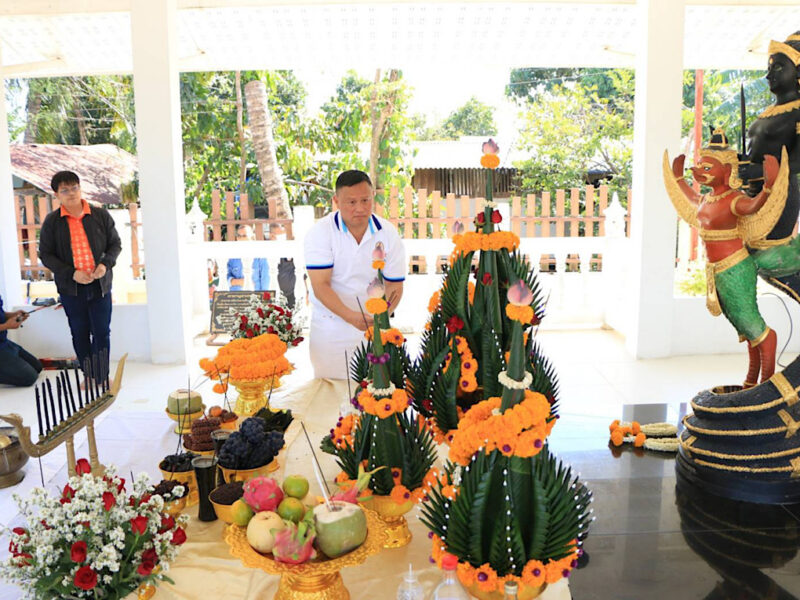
{"points": [[239, 211], [566, 213]]}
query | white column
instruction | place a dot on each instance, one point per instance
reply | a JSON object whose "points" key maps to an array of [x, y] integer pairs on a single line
{"points": [[657, 126], [158, 129], [10, 281]]}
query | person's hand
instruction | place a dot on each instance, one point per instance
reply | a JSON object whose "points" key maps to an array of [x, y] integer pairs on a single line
{"points": [[82, 277], [770, 170], [359, 321], [19, 315], [13, 323], [99, 271], [677, 166]]}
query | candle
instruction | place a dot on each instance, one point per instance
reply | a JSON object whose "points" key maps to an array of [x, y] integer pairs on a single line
{"points": [[68, 385], [97, 374], [39, 412], [87, 372], [67, 410], [52, 402], [60, 402], [78, 387], [46, 413]]}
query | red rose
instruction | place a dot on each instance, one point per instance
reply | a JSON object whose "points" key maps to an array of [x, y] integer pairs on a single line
{"points": [[487, 279], [85, 578], [23, 559], [265, 297], [249, 333], [454, 324], [296, 341], [121, 485], [67, 494], [288, 314], [82, 467], [270, 329], [167, 523], [14, 548], [146, 568], [480, 219], [139, 525], [78, 552], [260, 312], [178, 536], [427, 404], [244, 319], [256, 327], [496, 216], [108, 500], [150, 555], [242, 327]]}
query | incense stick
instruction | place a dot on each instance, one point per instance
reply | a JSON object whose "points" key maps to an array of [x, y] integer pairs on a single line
{"points": [[347, 374], [318, 472]]}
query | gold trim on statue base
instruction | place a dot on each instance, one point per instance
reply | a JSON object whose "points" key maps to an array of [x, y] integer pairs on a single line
{"points": [[318, 579], [525, 592], [184, 420], [391, 514], [253, 395]]}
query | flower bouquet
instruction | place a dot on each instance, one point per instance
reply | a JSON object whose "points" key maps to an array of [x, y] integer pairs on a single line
{"points": [[467, 339], [385, 437], [94, 541], [265, 316], [508, 510]]}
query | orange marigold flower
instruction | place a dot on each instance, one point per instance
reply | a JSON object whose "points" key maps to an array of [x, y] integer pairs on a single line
{"points": [[466, 574], [554, 570], [378, 264], [639, 441], [471, 292], [399, 400], [523, 314], [533, 574], [220, 388], [433, 303], [400, 494], [490, 161], [613, 426], [616, 437], [486, 578], [635, 427], [449, 491], [376, 306], [384, 408], [342, 477]]}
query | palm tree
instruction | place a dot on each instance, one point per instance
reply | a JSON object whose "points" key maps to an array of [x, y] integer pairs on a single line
{"points": [[258, 115]]}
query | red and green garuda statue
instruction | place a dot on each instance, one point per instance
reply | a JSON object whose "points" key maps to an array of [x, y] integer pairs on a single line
{"points": [[727, 220]]}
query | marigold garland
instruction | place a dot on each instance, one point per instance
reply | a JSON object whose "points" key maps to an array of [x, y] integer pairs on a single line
{"points": [[342, 432], [378, 264], [523, 314], [472, 241], [469, 366], [534, 574], [376, 306], [388, 336], [246, 359], [519, 431], [400, 493], [383, 408], [434, 302]]}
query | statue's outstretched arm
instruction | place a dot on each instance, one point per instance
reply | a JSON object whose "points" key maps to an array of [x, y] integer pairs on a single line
{"points": [[684, 198]]}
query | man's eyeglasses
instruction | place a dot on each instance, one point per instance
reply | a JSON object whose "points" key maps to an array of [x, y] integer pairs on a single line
{"points": [[69, 189]]}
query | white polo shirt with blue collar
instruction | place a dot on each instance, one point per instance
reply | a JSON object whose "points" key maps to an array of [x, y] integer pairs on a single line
{"points": [[330, 245]]}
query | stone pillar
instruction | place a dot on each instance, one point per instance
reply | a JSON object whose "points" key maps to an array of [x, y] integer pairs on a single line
{"points": [[657, 126], [10, 281], [158, 127]]}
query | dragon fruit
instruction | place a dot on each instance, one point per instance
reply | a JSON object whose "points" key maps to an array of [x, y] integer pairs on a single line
{"points": [[351, 494], [295, 544], [262, 493]]}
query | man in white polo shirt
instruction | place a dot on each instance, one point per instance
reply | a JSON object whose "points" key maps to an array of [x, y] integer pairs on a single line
{"points": [[338, 256]]}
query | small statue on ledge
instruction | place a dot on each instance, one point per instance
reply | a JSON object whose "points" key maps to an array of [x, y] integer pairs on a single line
{"points": [[728, 219]]}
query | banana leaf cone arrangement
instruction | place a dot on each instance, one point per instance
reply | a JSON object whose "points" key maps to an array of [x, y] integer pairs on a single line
{"points": [[508, 509], [467, 338], [384, 437]]}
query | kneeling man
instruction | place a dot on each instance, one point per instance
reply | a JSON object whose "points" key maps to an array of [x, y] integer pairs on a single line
{"points": [[338, 256]]}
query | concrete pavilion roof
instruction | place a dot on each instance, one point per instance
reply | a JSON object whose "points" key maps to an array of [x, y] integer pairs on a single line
{"points": [[41, 38]]}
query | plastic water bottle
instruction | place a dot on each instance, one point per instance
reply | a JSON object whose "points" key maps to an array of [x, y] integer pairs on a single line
{"points": [[410, 589], [450, 588], [510, 590]]}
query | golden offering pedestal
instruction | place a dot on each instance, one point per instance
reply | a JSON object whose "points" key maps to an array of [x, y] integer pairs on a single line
{"points": [[184, 420], [525, 592], [394, 523], [318, 579], [253, 394], [231, 475]]}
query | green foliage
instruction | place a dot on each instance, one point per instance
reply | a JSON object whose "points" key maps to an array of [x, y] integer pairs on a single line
{"points": [[540, 502], [472, 118], [571, 130], [692, 281]]}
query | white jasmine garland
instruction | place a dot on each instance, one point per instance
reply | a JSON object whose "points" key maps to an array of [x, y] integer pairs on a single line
{"points": [[491, 204], [513, 384], [381, 392]]}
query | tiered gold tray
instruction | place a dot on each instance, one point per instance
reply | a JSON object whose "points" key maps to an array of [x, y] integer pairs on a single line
{"points": [[318, 579]]}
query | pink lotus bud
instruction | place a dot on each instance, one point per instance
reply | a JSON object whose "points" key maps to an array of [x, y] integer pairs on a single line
{"points": [[458, 228], [519, 294], [490, 147], [379, 253], [376, 289]]}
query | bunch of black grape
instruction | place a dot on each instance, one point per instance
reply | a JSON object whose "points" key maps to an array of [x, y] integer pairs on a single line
{"points": [[178, 463], [250, 447]]}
